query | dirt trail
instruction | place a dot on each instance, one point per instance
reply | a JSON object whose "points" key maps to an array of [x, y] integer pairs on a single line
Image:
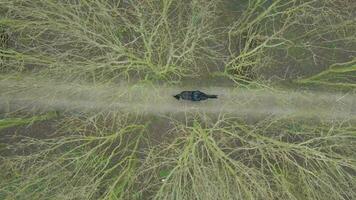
{"points": [[42, 95]]}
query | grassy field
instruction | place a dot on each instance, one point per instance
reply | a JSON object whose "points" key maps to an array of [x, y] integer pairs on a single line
{"points": [[86, 106]]}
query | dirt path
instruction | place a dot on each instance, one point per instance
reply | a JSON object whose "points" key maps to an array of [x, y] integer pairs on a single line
{"points": [[32, 94]]}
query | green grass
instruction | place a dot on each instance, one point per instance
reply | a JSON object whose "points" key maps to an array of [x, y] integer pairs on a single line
{"points": [[90, 161], [223, 158], [12, 122], [114, 155], [170, 40], [103, 41], [341, 75], [229, 159], [268, 40]]}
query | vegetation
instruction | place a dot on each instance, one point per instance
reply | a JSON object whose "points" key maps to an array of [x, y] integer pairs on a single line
{"points": [[274, 159], [167, 40], [12, 122], [224, 159], [83, 47], [339, 74]]}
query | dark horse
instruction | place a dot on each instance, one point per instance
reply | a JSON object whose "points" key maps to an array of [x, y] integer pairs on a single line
{"points": [[194, 96]]}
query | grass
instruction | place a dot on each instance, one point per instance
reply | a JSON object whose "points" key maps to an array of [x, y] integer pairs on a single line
{"points": [[298, 34], [103, 41], [92, 158], [170, 40], [223, 158], [12, 122], [341, 75], [111, 154], [232, 160]]}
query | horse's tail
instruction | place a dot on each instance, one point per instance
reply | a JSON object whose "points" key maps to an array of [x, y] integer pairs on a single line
{"points": [[212, 96]]}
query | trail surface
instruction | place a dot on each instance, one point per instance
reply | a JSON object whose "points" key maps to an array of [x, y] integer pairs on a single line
{"points": [[34, 95]]}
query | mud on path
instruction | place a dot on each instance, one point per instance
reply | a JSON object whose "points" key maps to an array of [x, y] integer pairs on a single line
{"points": [[31, 94]]}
